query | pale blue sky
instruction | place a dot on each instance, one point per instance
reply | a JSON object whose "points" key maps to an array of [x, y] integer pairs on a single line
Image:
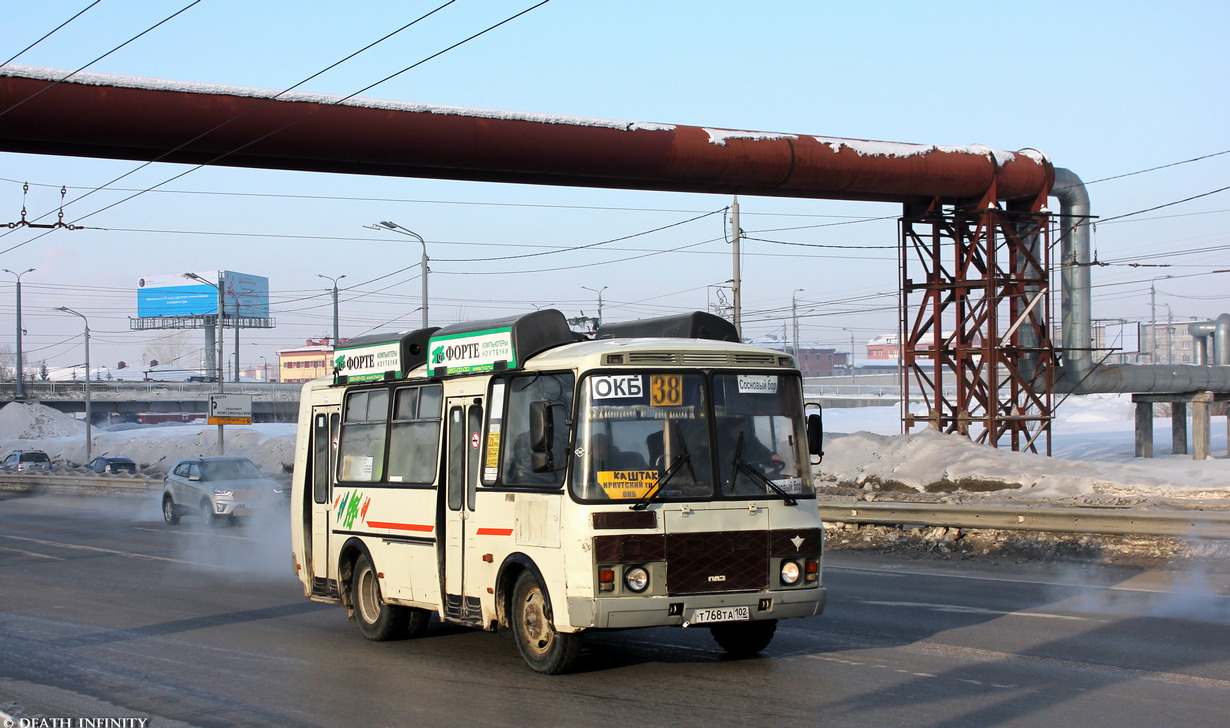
{"points": [[1104, 88]]}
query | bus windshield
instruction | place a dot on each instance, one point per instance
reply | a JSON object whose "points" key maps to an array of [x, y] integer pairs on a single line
{"points": [[635, 431]]}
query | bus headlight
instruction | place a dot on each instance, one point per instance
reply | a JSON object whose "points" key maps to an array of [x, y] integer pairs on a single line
{"points": [[636, 578], [790, 573]]}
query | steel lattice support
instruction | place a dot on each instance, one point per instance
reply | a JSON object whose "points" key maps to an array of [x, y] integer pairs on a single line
{"points": [[975, 323]]}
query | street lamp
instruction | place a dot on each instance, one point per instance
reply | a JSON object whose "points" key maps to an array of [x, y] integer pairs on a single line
{"points": [[88, 413], [218, 357], [335, 280], [21, 372], [794, 315], [599, 292], [389, 225], [265, 368]]}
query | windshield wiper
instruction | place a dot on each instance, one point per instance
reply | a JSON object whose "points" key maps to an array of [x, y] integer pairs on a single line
{"points": [[662, 480], [742, 465], [678, 461]]}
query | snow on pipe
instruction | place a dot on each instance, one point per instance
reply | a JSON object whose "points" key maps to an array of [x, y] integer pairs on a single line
{"points": [[123, 117], [1078, 373]]}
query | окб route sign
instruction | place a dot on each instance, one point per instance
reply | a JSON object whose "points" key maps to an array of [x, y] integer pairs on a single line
{"points": [[230, 409]]}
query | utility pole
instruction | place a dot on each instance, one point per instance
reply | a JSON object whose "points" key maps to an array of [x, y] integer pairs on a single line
{"points": [[794, 315], [736, 281], [19, 368], [599, 292], [336, 339]]}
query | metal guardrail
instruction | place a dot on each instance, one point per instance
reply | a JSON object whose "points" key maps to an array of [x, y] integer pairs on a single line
{"points": [[1121, 521]]}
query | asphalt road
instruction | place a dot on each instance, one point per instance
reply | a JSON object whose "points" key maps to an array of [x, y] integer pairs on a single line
{"points": [[104, 611]]}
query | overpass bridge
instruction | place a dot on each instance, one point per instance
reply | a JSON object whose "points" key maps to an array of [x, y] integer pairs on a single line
{"points": [[124, 401]]}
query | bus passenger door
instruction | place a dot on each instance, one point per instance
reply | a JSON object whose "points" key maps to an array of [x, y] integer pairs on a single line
{"points": [[462, 471], [323, 460]]}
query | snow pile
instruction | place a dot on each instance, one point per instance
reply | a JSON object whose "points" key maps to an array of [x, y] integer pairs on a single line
{"points": [[35, 422], [33, 426], [1092, 443]]}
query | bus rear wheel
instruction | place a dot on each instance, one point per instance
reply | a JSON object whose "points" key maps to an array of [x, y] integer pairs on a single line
{"points": [[378, 620], [545, 650], [744, 639]]}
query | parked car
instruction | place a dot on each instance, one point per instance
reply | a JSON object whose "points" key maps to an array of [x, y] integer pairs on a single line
{"points": [[113, 464], [218, 488], [26, 461]]}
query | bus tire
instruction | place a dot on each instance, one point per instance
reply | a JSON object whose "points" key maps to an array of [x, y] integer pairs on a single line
{"points": [[169, 514], [744, 639], [378, 621], [545, 650]]}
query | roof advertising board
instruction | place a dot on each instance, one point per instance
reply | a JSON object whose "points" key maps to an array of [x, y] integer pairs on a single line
{"points": [[176, 294]]}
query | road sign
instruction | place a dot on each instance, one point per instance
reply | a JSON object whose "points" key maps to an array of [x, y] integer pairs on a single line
{"points": [[230, 409]]}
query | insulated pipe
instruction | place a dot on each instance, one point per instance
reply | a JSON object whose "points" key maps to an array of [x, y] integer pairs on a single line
{"points": [[123, 117], [1078, 374], [1200, 331], [1221, 340]]}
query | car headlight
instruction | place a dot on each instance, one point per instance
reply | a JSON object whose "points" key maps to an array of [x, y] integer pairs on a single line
{"points": [[636, 578], [790, 573], [222, 491]]}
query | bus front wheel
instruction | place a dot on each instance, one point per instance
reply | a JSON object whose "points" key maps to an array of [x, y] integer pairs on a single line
{"points": [[545, 650], [744, 639], [379, 621]]}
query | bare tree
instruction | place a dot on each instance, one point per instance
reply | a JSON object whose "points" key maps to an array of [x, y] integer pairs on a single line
{"points": [[169, 348]]}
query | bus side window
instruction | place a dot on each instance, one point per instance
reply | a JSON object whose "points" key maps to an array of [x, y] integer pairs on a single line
{"points": [[363, 436], [414, 435], [321, 444], [516, 466]]}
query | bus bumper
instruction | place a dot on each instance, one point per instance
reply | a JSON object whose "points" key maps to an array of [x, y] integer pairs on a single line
{"points": [[665, 611]]}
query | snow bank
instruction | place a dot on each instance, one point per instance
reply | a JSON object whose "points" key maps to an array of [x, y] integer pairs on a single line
{"points": [[26, 426]]}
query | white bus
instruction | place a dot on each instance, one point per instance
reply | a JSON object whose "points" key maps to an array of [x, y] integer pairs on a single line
{"points": [[513, 473]]}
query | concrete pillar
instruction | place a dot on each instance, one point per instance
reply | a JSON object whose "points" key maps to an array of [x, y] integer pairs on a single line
{"points": [[1178, 428], [1144, 429], [1201, 425]]}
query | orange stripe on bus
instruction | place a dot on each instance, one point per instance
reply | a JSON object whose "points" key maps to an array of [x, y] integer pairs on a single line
{"points": [[494, 532], [401, 526]]}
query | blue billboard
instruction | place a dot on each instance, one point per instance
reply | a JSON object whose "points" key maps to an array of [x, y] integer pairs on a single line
{"points": [[179, 295]]}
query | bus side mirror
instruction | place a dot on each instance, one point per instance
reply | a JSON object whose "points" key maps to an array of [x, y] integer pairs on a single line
{"points": [[542, 435], [815, 436]]}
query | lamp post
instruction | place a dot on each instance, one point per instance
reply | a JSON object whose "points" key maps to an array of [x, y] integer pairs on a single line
{"points": [[390, 225], [88, 413], [265, 368], [794, 315], [843, 328], [335, 279], [19, 368], [218, 358], [599, 292]]}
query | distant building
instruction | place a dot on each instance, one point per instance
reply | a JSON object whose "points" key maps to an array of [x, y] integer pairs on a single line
{"points": [[311, 361], [813, 360]]}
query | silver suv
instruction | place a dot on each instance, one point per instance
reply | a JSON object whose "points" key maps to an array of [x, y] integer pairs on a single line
{"points": [[217, 488], [26, 461]]}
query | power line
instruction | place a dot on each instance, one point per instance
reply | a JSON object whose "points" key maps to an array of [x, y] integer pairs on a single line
{"points": [[50, 33]]}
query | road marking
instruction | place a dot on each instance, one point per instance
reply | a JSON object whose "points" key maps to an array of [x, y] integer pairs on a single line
{"points": [[30, 553], [182, 532], [99, 549], [962, 609]]}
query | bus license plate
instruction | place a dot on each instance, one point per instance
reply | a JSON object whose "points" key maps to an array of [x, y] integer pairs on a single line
{"points": [[721, 614]]}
